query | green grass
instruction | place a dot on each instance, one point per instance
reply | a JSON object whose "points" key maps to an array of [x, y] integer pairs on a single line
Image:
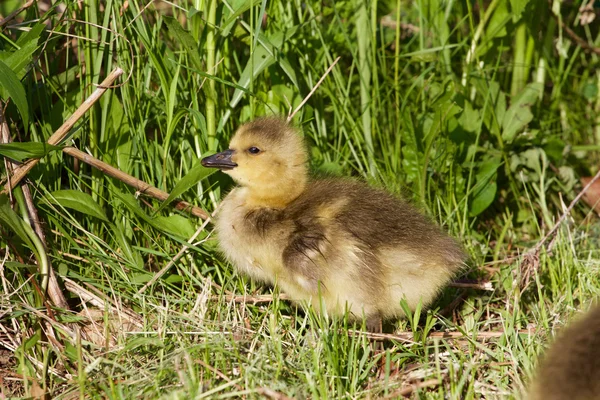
{"points": [[483, 114]]}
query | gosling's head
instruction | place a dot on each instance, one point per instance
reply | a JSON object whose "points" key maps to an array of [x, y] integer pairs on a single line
{"points": [[268, 157]]}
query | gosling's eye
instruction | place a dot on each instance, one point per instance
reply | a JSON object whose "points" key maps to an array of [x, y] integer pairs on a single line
{"points": [[253, 150]]}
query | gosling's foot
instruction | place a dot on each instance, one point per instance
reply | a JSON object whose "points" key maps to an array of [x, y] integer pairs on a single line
{"points": [[375, 325]]}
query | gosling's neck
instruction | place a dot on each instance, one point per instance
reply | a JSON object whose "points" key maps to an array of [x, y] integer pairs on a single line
{"points": [[276, 194]]}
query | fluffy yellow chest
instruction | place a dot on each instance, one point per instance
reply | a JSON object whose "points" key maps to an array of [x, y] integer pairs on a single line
{"points": [[254, 250]]}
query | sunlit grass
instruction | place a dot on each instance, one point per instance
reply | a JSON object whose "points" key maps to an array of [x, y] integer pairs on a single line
{"points": [[462, 109]]}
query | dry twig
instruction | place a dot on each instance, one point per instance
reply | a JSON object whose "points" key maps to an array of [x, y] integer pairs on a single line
{"points": [[138, 184], [260, 299], [102, 302], [54, 292], [576, 38], [289, 118], [13, 14], [61, 132], [472, 284], [408, 390], [530, 262]]}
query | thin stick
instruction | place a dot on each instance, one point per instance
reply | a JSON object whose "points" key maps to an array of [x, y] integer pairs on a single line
{"points": [[289, 118], [479, 285], [408, 390], [576, 38], [99, 300], [531, 259], [138, 184], [272, 394], [61, 132], [15, 13], [5, 138], [260, 299], [53, 289]]}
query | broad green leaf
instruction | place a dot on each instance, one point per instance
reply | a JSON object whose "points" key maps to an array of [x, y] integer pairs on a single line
{"points": [[141, 278], [470, 118], [554, 148], [17, 265], [484, 191], [499, 100], [173, 278], [493, 102], [411, 157], [11, 87], [178, 227], [263, 57], [10, 220], [77, 201], [31, 341], [33, 35], [517, 7], [331, 168], [23, 151], [120, 142], [186, 40], [496, 27], [195, 175], [483, 199], [519, 113], [28, 43], [239, 7], [175, 224]]}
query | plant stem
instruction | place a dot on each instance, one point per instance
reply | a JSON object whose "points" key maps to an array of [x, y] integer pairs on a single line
{"points": [[211, 122], [364, 68]]}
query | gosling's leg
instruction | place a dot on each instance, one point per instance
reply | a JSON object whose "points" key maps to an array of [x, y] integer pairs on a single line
{"points": [[375, 324]]}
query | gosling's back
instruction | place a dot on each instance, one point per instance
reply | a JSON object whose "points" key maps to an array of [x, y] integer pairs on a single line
{"points": [[570, 370], [384, 248]]}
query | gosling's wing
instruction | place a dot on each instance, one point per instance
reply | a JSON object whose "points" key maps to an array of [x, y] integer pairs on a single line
{"points": [[304, 255]]}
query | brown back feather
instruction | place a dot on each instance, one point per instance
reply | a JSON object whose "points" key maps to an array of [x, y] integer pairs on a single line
{"points": [[570, 370]]}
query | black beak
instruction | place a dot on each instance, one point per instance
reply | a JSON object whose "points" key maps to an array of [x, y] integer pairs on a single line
{"points": [[220, 160]]}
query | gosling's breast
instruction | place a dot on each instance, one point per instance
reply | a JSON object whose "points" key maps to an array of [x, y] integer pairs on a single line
{"points": [[251, 239]]}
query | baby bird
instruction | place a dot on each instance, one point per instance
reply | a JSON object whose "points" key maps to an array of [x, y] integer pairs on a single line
{"points": [[570, 370], [336, 243]]}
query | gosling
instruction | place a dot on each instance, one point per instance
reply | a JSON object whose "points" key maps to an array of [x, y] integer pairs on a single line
{"points": [[570, 370], [336, 243]]}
